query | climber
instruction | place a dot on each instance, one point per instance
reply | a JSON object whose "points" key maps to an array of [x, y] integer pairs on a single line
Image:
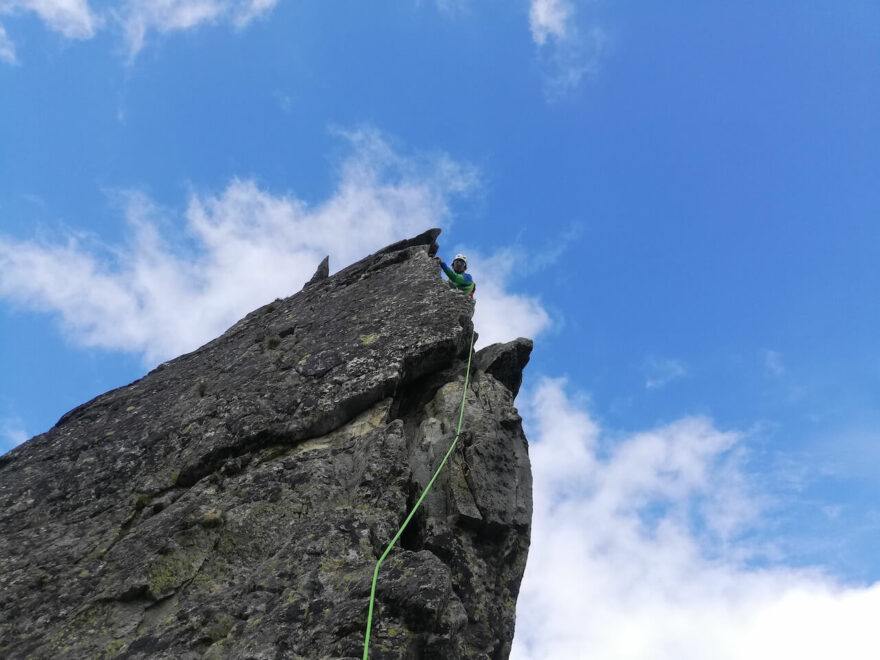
{"points": [[458, 279]]}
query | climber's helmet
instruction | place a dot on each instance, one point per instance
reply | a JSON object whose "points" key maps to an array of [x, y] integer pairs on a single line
{"points": [[459, 264]]}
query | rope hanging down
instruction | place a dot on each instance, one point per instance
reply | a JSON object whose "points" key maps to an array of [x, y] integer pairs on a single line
{"points": [[467, 375]]}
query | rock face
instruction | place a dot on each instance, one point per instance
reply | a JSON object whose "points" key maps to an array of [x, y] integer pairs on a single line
{"points": [[233, 502]]}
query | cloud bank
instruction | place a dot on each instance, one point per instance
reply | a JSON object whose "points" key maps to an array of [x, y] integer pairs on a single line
{"points": [[640, 551], [167, 292]]}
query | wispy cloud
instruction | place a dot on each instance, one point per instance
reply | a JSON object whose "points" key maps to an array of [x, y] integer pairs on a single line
{"points": [[569, 45], [136, 19], [773, 363], [783, 383], [640, 550], [162, 293], [7, 48], [532, 256], [659, 372], [72, 18], [140, 17], [550, 19]]}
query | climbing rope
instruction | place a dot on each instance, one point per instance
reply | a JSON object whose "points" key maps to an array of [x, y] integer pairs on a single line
{"points": [[467, 375]]}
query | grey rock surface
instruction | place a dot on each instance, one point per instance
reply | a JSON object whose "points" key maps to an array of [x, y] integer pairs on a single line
{"points": [[233, 502]]}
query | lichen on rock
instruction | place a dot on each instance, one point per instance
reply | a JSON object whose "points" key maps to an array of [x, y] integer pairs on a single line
{"points": [[233, 502]]}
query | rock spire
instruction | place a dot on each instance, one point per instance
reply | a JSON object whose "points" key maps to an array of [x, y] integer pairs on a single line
{"points": [[232, 503]]}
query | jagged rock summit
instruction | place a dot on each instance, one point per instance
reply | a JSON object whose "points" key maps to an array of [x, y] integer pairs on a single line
{"points": [[233, 502]]}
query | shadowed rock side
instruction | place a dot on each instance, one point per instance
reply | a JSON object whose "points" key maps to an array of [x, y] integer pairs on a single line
{"points": [[233, 502]]}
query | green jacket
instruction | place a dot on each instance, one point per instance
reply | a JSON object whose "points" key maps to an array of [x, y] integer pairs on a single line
{"points": [[463, 282]]}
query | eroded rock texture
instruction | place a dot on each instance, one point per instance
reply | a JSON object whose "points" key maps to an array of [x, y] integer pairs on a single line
{"points": [[233, 502]]}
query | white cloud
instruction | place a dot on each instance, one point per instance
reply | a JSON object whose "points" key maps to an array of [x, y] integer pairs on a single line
{"points": [[248, 10], [638, 552], [570, 46], [550, 18], [7, 48], [72, 18], [662, 371], [500, 315], [75, 19], [139, 17], [247, 246]]}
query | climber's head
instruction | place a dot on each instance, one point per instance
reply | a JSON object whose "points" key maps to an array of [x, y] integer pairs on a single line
{"points": [[459, 264]]}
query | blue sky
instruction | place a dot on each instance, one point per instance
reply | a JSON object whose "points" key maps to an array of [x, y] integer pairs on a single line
{"points": [[678, 202]]}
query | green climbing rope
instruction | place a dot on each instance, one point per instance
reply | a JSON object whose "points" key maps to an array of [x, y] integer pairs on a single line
{"points": [[467, 376]]}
